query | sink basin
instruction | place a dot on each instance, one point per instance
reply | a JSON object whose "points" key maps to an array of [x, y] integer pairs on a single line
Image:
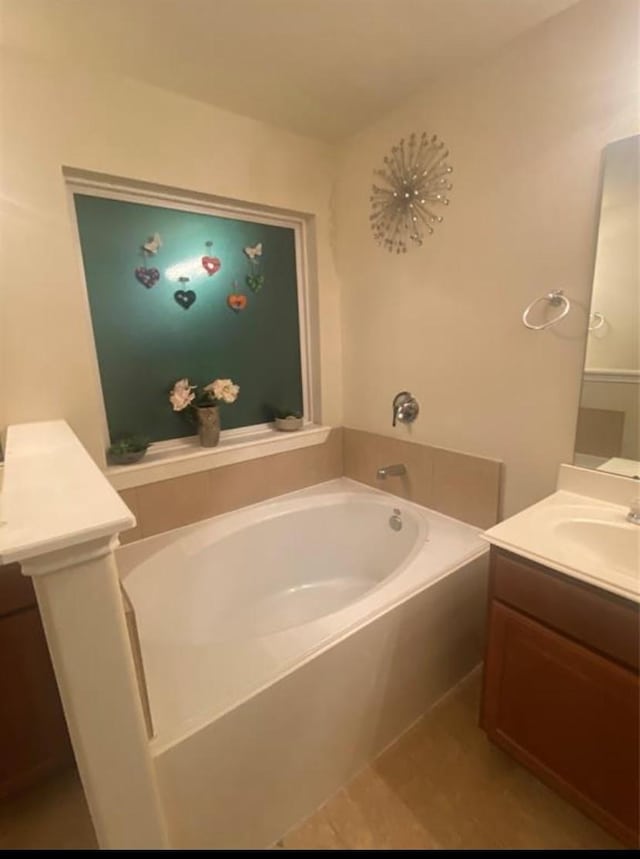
{"points": [[615, 545]]}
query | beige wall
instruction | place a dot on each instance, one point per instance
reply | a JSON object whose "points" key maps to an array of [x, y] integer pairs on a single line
{"points": [[53, 116], [526, 130]]}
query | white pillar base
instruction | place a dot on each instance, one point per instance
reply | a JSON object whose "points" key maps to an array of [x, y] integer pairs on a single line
{"points": [[80, 603]]}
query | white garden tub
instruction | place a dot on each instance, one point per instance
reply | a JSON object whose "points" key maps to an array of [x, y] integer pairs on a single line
{"points": [[285, 644]]}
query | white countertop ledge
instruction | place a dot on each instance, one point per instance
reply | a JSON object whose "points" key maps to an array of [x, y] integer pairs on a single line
{"points": [[178, 457], [534, 534], [53, 495]]}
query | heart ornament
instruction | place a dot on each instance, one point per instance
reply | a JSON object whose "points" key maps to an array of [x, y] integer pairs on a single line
{"points": [[255, 282], [184, 297], [147, 276], [237, 302], [211, 264]]}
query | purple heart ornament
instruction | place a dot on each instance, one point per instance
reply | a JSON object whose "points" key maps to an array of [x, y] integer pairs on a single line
{"points": [[147, 276]]}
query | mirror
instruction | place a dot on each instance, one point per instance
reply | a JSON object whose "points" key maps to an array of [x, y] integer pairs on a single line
{"points": [[608, 430]]}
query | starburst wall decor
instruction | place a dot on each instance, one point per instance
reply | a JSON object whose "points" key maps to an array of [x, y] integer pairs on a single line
{"points": [[415, 178]]}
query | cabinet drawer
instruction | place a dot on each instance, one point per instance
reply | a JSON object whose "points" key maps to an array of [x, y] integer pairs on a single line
{"points": [[16, 590], [597, 618]]}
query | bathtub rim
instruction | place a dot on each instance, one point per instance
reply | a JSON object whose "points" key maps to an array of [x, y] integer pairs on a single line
{"points": [[341, 483]]}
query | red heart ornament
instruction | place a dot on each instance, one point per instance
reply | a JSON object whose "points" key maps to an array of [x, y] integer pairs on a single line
{"points": [[237, 302], [211, 265]]}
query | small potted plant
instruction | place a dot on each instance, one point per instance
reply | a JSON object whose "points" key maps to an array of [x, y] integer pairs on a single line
{"points": [[203, 406], [287, 420], [127, 449]]}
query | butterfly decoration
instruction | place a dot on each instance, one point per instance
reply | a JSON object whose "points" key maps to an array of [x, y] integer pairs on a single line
{"points": [[255, 279], [148, 277], [153, 244], [253, 252]]}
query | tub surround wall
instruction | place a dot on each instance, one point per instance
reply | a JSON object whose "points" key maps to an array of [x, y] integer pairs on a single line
{"points": [[465, 487], [526, 129], [172, 503]]}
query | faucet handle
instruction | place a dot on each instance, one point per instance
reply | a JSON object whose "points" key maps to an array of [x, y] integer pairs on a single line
{"points": [[405, 408]]}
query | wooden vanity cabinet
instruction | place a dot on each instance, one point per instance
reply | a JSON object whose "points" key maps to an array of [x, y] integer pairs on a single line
{"points": [[33, 732], [561, 690]]}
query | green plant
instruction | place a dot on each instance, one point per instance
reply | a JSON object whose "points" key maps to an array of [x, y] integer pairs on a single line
{"points": [[281, 413], [129, 444]]}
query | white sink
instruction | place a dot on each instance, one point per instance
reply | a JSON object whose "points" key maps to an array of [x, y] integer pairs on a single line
{"points": [[611, 544], [584, 537]]}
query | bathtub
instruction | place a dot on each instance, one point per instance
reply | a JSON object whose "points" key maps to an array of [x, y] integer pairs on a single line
{"points": [[286, 644]]}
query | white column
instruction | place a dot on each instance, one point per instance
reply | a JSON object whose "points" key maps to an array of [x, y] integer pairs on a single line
{"points": [[81, 607]]}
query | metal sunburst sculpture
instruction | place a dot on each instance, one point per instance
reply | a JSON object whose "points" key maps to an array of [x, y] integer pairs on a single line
{"points": [[415, 180]]}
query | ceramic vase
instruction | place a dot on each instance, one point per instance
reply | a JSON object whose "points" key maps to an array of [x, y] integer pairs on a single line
{"points": [[208, 425]]}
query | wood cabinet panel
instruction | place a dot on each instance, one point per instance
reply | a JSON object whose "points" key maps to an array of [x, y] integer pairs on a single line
{"points": [[16, 590], [601, 620], [566, 712], [33, 732]]}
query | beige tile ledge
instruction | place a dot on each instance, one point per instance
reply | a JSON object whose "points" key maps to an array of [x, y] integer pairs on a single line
{"points": [[185, 456]]}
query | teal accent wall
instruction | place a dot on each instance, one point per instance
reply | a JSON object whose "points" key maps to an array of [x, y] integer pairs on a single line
{"points": [[145, 340]]}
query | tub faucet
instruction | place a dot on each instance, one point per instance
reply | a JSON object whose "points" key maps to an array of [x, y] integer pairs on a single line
{"points": [[633, 515], [391, 471]]}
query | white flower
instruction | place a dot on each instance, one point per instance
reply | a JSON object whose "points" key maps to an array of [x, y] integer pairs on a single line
{"points": [[181, 396], [223, 389]]}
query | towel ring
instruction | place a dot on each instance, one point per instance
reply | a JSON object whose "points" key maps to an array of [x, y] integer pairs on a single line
{"points": [[596, 320], [555, 298]]}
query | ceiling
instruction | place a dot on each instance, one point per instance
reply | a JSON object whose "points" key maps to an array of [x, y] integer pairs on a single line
{"points": [[323, 68]]}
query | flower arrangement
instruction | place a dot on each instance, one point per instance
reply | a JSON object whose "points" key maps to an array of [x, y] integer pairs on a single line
{"points": [[203, 405], [182, 396]]}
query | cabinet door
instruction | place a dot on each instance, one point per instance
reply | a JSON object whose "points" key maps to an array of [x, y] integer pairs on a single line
{"points": [[568, 714], [33, 733]]}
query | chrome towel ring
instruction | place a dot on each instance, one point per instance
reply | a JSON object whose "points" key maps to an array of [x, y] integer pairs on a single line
{"points": [[556, 298], [596, 320]]}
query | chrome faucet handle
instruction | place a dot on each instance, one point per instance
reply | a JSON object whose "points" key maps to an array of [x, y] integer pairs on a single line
{"points": [[405, 408]]}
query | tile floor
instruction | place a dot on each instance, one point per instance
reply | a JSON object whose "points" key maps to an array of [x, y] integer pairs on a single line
{"points": [[52, 816], [441, 785]]}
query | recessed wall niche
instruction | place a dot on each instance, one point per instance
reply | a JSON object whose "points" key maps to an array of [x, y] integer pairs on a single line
{"points": [[180, 292]]}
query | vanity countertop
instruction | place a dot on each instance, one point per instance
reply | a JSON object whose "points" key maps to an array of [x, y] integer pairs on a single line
{"points": [[581, 536]]}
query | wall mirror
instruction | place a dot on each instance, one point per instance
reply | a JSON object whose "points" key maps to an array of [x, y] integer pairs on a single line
{"points": [[608, 428]]}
